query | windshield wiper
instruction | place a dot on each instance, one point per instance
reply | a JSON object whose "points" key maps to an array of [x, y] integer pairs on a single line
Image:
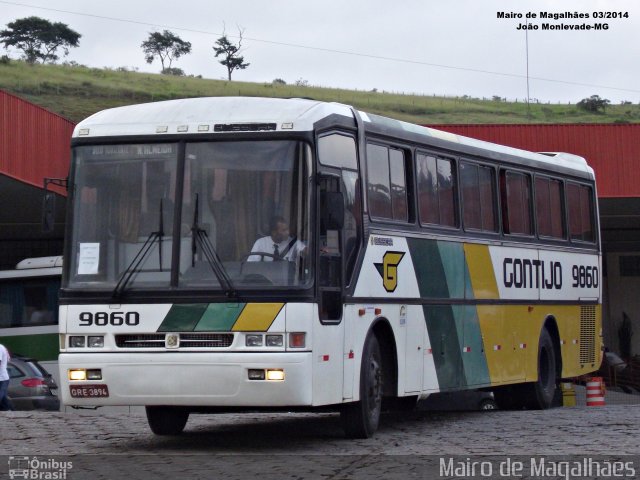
{"points": [[133, 267], [200, 236]]}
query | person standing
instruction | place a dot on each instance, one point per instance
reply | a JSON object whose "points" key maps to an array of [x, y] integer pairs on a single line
{"points": [[5, 403]]}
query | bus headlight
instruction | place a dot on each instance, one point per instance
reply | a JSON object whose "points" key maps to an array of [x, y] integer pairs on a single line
{"points": [[274, 341], [96, 342], [253, 340], [76, 341]]}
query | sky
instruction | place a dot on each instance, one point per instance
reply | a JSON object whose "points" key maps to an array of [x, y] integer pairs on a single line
{"points": [[428, 47]]}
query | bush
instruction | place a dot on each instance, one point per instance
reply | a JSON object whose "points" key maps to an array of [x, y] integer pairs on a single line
{"points": [[279, 81], [593, 104], [178, 72]]}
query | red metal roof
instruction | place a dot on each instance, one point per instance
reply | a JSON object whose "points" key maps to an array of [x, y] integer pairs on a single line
{"points": [[612, 150], [34, 142]]}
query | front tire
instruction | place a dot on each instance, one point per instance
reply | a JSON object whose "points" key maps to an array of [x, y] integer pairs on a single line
{"points": [[360, 419], [167, 420]]}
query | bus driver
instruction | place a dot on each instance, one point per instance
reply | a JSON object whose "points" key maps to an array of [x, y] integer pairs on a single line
{"points": [[279, 245]]}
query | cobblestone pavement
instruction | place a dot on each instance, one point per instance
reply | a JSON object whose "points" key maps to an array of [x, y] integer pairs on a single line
{"points": [[306, 445]]}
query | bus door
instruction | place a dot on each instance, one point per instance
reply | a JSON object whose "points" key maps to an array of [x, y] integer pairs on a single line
{"points": [[340, 239]]}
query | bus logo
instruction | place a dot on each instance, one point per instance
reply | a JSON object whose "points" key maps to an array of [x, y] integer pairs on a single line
{"points": [[388, 270]]}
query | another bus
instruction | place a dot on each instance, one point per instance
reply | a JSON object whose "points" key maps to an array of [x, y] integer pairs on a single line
{"points": [[430, 262], [29, 309]]}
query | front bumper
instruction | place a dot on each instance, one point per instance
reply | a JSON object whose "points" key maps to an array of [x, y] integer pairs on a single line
{"points": [[191, 379]]}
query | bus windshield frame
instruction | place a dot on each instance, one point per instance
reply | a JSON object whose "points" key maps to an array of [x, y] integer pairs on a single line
{"points": [[222, 199]]}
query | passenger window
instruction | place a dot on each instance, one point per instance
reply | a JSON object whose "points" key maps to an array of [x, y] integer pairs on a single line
{"points": [[436, 191], [549, 207], [478, 197], [516, 196], [581, 224], [386, 186]]}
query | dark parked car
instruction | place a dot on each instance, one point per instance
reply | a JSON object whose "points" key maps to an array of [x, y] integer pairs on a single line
{"points": [[31, 387]]}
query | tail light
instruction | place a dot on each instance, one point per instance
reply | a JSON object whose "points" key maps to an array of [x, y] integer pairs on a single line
{"points": [[32, 382]]}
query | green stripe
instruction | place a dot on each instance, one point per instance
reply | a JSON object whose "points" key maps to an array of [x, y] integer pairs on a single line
{"points": [[443, 335], [427, 264], [451, 329], [44, 346], [454, 267], [183, 318], [476, 371], [219, 317]]}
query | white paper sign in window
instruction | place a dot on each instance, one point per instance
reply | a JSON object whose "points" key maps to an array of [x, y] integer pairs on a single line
{"points": [[89, 260]]}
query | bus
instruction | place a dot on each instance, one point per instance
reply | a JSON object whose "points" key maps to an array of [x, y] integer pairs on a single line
{"points": [[424, 262], [29, 309]]}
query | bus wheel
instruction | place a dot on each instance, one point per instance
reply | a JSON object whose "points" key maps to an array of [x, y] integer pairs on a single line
{"points": [[542, 392], [360, 419], [167, 420], [538, 395]]}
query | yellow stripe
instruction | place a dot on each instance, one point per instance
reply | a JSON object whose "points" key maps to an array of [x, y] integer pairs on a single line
{"points": [[257, 317], [512, 326], [483, 279]]}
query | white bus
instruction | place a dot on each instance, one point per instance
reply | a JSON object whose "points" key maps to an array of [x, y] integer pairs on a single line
{"points": [[29, 310], [461, 265]]}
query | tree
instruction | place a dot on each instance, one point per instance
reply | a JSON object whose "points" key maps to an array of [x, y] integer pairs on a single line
{"points": [[166, 46], [39, 39], [593, 103], [230, 52]]}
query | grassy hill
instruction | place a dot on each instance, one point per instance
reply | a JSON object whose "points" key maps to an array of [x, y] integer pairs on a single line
{"points": [[76, 92]]}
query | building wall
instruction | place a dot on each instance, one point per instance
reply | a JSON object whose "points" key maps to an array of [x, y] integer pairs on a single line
{"points": [[34, 143], [612, 150], [623, 297]]}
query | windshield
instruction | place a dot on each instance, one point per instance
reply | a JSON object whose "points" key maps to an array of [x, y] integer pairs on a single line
{"points": [[241, 220]]}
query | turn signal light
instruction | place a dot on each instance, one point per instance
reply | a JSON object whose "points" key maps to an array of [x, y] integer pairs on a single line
{"points": [[297, 340]]}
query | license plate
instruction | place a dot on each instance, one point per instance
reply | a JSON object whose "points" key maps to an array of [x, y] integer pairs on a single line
{"points": [[89, 391]]}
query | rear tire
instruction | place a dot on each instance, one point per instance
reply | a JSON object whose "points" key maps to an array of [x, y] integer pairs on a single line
{"points": [[541, 393], [538, 395], [167, 420], [360, 419]]}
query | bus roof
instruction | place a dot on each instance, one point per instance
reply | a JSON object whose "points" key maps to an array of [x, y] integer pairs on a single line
{"points": [[209, 115]]}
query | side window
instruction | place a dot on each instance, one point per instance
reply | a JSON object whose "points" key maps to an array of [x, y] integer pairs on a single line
{"points": [[337, 150], [581, 212], [436, 190], [549, 208], [352, 221], [386, 183], [477, 183], [14, 372], [398, 185], [516, 201]]}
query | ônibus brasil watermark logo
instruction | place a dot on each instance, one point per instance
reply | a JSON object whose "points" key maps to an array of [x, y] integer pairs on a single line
{"points": [[35, 468]]}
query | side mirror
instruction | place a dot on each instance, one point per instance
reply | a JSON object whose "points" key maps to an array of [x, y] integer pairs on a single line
{"points": [[331, 211], [49, 203], [48, 212]]}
